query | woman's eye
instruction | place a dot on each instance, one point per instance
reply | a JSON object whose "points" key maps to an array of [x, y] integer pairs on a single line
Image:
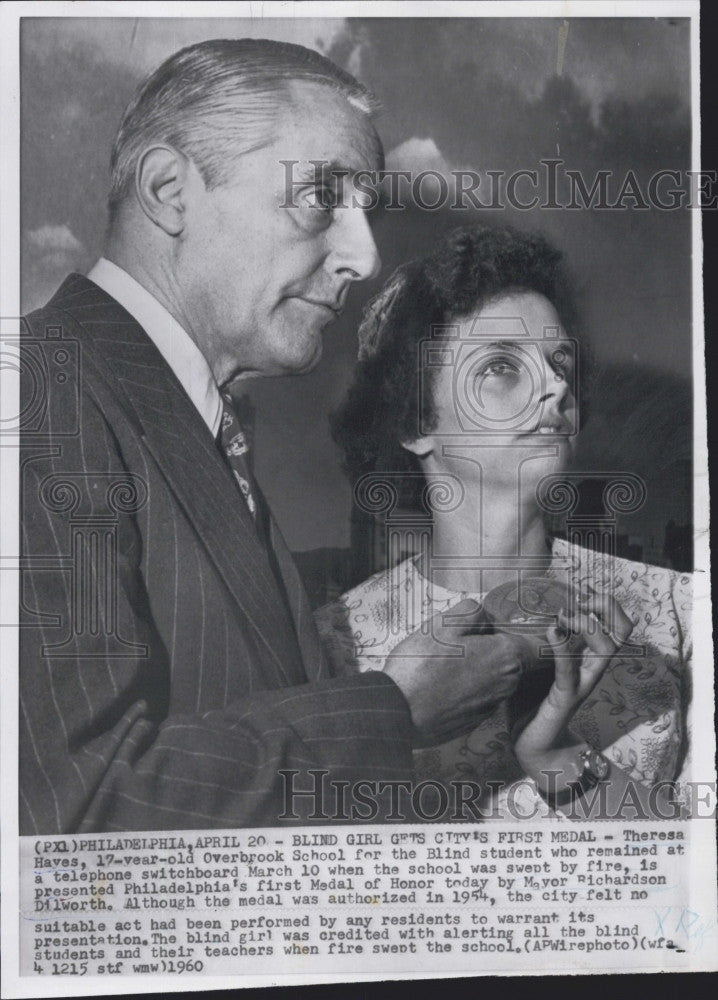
{"points": [[562, 362], [499, 367]]}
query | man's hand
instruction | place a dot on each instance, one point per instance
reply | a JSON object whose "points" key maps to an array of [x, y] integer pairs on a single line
{"points": [[546, 744], [450, 689]]}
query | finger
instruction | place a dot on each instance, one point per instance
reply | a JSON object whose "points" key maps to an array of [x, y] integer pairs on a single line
{"points": [[465, 614], [512, 670], [566, 671], [578, 622], [558, 636], [593, 632], [508, 684], [600, 647], [611, 614], [609, 610], [496, 654]]}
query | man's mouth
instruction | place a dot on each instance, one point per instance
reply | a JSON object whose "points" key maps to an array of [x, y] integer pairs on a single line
{"points": [[332, 307]]}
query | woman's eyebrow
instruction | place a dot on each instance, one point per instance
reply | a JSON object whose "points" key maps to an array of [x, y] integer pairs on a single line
{"points": [[521, 347], [520, 344], [500, 345]]}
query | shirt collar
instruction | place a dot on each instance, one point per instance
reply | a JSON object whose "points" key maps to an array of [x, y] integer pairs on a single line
{"points": [[171, 340]]}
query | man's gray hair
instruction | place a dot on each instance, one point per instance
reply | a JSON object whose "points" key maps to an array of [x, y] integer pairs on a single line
{"points": [[215, 101]]}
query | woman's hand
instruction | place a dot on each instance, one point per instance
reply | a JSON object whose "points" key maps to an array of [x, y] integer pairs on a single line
{"points": [[546, 744]]}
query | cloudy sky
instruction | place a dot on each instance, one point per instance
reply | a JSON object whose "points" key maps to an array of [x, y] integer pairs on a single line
{"points": [[469, 93]]}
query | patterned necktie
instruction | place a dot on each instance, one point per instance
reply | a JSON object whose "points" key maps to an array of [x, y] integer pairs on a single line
{"points": [[235, 447]]}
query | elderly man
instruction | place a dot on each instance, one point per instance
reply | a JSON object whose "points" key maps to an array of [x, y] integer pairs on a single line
{"points": [[169, 665]]}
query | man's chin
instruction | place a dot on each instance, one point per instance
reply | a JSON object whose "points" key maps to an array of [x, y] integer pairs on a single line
{"points": [[306, 362], [310, 366]]}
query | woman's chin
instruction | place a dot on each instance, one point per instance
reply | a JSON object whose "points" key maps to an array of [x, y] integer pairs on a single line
{"points": [[554, 455]]}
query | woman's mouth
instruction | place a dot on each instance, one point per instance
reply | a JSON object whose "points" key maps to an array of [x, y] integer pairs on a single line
{"points": [[554, 428]]}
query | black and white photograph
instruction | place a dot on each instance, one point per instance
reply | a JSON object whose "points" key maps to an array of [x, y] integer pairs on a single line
{"points": [[355, 505]]}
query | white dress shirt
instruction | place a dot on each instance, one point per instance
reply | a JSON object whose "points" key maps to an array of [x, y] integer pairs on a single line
{"points": [[171, 340]]}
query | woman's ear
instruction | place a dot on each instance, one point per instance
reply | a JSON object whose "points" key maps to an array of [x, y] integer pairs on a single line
{"points": [[421, 447], [161, 177]]}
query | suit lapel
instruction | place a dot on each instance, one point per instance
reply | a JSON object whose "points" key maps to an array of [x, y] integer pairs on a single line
{"points": [[313, 654], [183, 448]]}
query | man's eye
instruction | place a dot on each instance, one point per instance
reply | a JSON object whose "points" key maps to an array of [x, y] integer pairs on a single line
{"points": [[322, 198]]}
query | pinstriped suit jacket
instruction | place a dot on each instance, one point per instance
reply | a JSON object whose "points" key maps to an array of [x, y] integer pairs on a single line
{"points": [[164, 677]]}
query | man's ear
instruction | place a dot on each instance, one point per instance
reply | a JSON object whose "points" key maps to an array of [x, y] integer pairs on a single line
{"points": [[421, 447], [160, 179]]}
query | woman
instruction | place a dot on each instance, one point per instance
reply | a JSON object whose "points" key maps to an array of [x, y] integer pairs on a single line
{"points": [[467, 375]]}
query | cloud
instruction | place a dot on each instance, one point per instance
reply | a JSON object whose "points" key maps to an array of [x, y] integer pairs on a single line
{"points": [[54, 239], [494, 92], [142, 43], [417, 154], [49, 253], [618, 57]]}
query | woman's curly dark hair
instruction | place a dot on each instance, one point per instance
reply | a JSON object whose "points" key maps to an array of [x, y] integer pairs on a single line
{"points": [[465, 271]]}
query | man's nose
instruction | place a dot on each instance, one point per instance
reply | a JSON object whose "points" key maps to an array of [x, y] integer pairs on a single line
{"points": [[353, 250]]}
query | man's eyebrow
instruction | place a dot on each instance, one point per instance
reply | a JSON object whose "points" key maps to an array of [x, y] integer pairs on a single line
{"points": [[315, 170], [324, 172], [307, 171]]}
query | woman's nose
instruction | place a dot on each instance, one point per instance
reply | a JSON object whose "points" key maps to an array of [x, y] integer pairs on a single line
{"points": [[555, 383]]}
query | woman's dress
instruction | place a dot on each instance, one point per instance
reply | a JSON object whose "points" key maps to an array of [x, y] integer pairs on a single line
{"points": [[636, 714]]}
